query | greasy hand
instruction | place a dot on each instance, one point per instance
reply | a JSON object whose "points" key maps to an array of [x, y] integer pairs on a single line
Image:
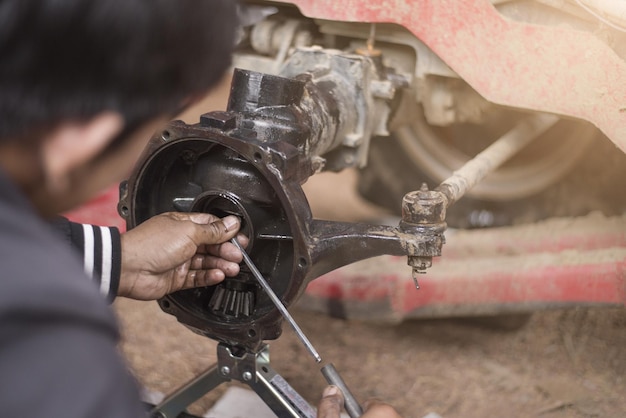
{"points": [[332, 402], [175, 251]]}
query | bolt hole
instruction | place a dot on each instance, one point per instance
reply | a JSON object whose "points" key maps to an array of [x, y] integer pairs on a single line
{"points": [[251, 333], [124, 211], [265, 369], [166, 135], [258, 156], [302, 262], [165, 304]]}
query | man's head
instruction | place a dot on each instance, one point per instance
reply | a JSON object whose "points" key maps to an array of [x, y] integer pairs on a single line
{"points": [[83, 84]]}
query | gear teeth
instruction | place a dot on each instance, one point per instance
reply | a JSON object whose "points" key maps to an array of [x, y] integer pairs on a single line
{"points": [[218, 297], [232, 302]]}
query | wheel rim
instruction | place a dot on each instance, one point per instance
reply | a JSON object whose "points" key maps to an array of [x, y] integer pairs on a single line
{"points": [[439, 151]]}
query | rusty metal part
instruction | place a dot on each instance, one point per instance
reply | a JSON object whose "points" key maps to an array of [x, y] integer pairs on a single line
{"points": [[425, 210], [250, 161], [361, 92], [493, 156]]}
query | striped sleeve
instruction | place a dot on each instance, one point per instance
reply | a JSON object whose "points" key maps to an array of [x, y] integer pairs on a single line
{"points": [[101, 251]]}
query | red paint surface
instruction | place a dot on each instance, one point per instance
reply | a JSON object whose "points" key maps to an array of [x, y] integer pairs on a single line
{"points": [[553, 285], [589, 283], [100, 211], [593, 282], [551, 69], [339, 285]]}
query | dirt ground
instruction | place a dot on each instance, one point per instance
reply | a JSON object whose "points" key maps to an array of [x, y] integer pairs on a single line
{"points": [[568, 363], [561, 364]]}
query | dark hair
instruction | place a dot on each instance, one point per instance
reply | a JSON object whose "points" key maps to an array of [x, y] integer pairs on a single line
{"points": [[72, 59]]}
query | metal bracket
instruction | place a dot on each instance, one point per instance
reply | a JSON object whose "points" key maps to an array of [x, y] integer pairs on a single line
{"points": [[251, 368]]}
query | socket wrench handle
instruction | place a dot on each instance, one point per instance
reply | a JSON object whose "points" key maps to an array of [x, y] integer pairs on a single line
{"points": [[350, 403]]}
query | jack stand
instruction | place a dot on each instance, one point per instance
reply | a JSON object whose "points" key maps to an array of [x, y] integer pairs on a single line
{"points": [[251, 368]]}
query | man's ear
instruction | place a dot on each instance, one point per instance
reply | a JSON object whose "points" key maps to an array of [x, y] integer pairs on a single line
{"points": [[73, 144]]}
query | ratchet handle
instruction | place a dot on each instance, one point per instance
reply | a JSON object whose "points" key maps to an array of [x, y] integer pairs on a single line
{"points": [[350, 403]]}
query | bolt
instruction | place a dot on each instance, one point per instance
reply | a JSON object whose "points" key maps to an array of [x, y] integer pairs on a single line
{"points": [[419, 264], [225, 370], [415, 275], [247, 376], [424, 207]]}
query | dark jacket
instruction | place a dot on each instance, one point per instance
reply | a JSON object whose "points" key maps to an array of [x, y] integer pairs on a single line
{"points": [[58, 337], [99, 248]]}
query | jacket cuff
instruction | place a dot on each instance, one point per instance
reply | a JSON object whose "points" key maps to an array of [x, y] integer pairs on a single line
{"points": [[101, 249]]}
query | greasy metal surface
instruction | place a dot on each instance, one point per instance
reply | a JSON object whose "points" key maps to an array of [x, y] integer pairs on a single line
{"points": [[553, 69], [199, 170], [250, 161], [360, 94], [424, 207]]}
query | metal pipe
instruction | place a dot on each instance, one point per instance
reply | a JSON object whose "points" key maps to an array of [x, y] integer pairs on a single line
{"points": [[333, 377], [463, 179]]}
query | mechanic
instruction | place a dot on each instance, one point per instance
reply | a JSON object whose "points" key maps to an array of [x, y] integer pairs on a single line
{"points": [[82, 87]]}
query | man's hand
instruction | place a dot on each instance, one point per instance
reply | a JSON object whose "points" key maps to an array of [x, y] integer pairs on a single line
{"points": [[332, 402], [175, 251]]}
